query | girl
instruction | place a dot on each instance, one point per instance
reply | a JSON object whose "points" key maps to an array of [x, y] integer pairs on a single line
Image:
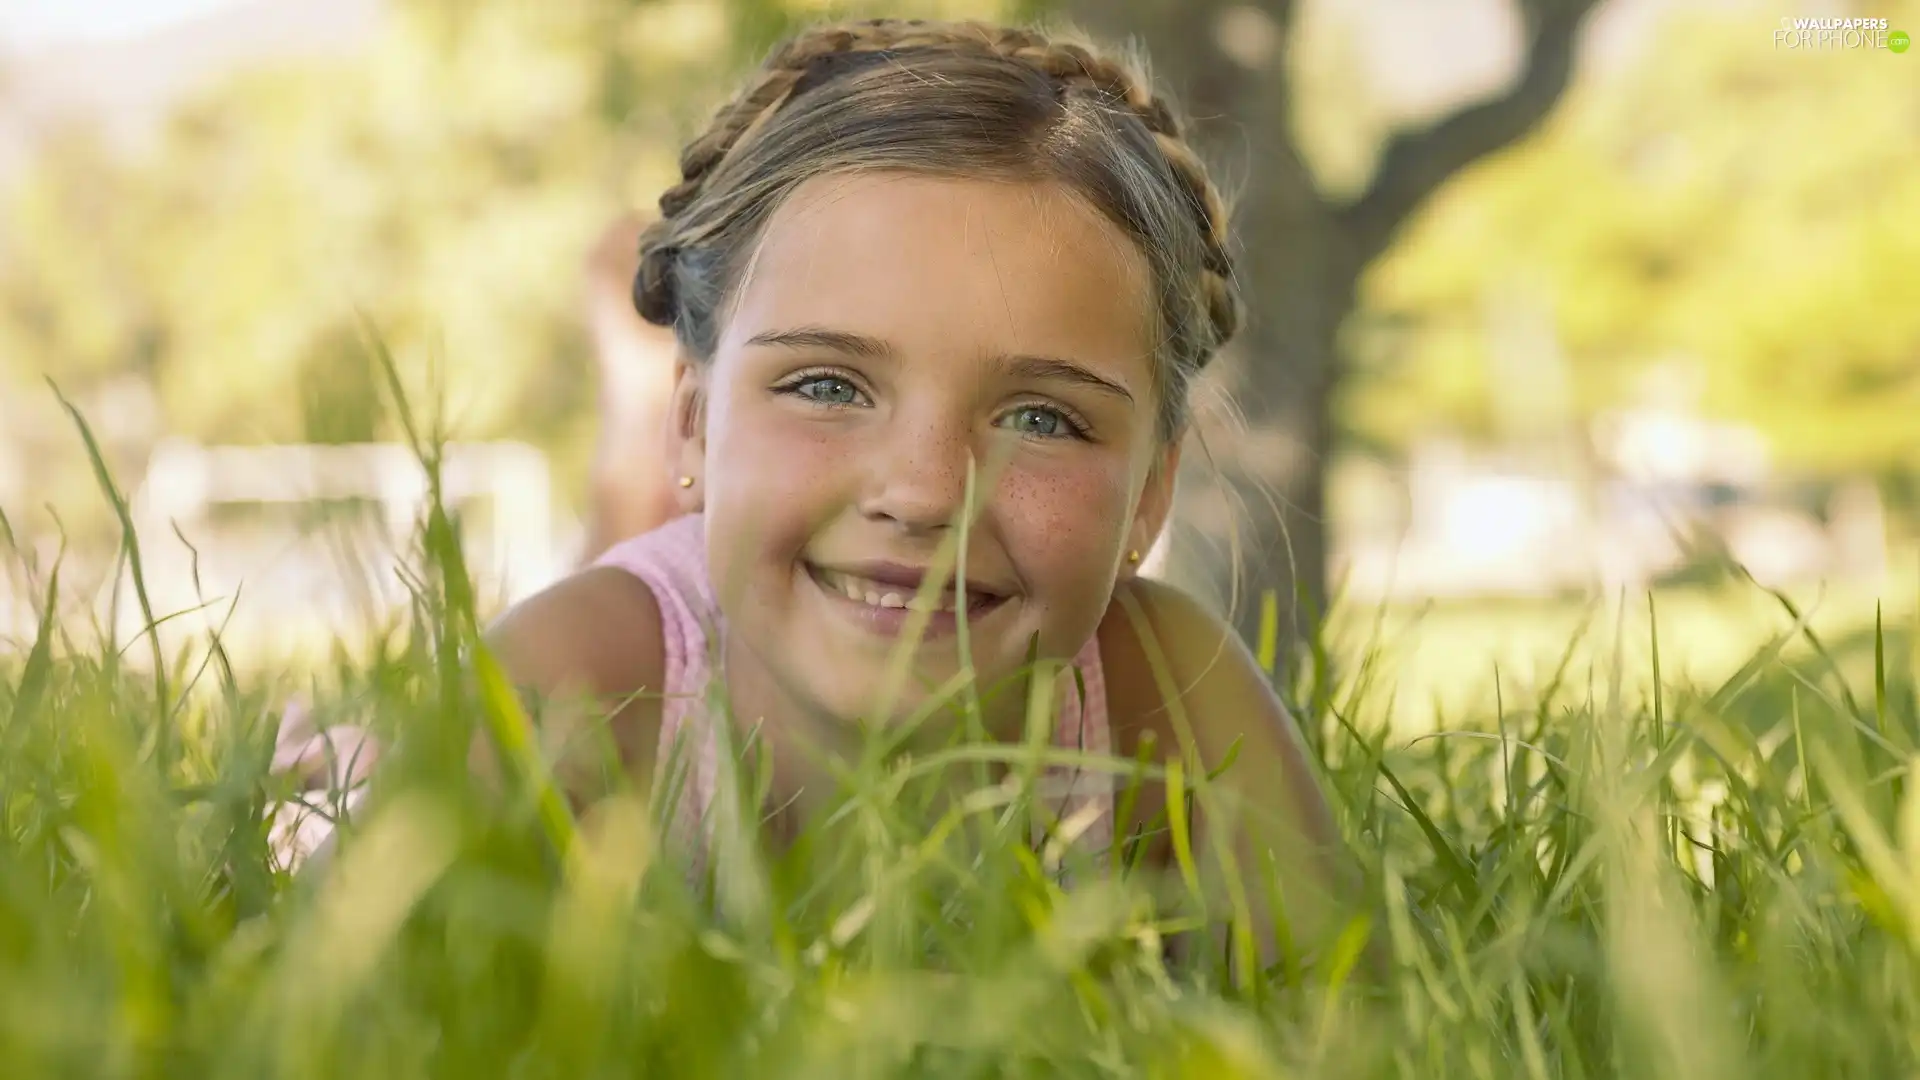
{"points": [[912, 265]]}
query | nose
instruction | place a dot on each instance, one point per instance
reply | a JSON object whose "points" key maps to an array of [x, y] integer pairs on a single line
{"points": [[917, 473]]}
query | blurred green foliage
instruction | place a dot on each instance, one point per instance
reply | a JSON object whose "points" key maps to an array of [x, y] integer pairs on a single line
{"points": [[444, 185], [1714, 202], [1754, 211]]}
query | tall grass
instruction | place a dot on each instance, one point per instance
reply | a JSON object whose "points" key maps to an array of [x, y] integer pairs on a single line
{"points": [[1611, 879]]}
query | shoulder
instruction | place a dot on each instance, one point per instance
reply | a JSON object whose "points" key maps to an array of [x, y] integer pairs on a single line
{"points": [[1156, 632], [670, 560], [597, 631], [603, 630], [1182, 678], [1172, 663], [587, 651]]}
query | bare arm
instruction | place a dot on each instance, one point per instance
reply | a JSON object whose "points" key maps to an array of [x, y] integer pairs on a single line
{"points": [[586, 651], [589, 650], [1181, 676]]}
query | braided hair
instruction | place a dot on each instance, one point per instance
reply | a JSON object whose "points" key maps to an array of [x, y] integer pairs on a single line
{"points": [[961, 100]]}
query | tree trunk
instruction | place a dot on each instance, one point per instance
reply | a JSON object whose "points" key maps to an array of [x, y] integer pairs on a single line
{"points": [[1281, 379], [1253, 515], [1251, 520]]}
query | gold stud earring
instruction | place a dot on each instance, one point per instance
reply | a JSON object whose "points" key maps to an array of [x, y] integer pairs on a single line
{"points": [[1133, 558], [686, 481]]}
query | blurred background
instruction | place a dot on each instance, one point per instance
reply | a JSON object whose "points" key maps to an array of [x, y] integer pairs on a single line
{"points": [[1557, 304]]}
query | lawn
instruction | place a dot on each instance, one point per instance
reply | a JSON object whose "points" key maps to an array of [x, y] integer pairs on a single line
{"points": [[1447, 659], [1696, 855]]}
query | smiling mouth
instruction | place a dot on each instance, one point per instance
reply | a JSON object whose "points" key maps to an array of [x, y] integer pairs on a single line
{"points": [[885, 596]]}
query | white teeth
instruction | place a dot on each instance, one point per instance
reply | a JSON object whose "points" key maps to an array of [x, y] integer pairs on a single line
{"points": [[858, 590]]}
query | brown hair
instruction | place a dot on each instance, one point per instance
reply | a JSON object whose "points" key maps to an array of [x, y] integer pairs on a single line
{"points": [[947, 99]]}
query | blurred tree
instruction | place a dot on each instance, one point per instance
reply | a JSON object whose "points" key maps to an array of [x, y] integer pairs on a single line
{"points": [[1751, 213], [1757, 211], [1304, 250], [441, 186]]}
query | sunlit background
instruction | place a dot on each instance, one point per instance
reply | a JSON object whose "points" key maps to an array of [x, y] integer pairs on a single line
{"points": [[1672, 328]]}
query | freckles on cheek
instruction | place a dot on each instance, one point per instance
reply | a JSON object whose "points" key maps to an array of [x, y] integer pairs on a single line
{"points": [[1074, 516]]}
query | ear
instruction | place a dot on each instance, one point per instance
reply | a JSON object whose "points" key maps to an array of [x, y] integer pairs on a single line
{"points": [[687, 435], [1156, 502]]}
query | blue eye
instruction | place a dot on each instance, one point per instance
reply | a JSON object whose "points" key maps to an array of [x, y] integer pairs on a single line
{"points": [[1039, 422], [828, 390]]}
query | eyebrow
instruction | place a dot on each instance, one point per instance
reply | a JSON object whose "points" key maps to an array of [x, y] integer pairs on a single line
{"points": [[1037, 368], [815, 337], [1041, 368]]}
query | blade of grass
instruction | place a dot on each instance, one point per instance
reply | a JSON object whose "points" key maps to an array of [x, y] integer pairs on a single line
{"points": [[514, 739], [130, 548]]}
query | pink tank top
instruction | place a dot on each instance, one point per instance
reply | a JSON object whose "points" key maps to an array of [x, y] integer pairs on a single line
{"points": [[672, 562]]}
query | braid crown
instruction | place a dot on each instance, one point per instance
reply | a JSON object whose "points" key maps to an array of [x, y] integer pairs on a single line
{"points": [[820, 55]]}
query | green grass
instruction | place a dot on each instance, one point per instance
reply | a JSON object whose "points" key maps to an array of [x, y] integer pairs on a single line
{"points": [[1619, 871], [1446, 657]]}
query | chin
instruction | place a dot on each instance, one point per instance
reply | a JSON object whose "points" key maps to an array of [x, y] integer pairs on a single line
{"points": [[857, 701]]}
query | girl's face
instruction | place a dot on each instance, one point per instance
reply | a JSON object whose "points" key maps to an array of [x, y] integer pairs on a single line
{"points": [[891, 329]]}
